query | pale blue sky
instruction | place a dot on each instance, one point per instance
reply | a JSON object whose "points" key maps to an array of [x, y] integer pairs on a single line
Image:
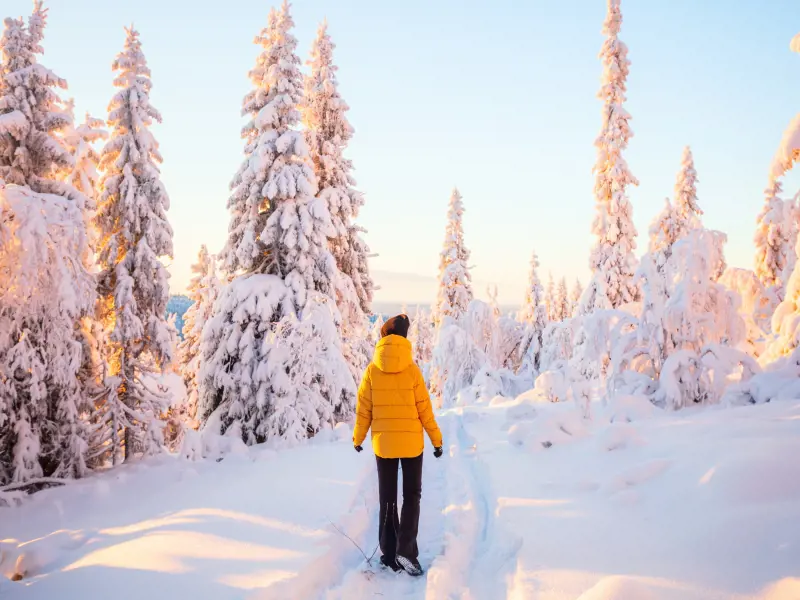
{"points": [[497, 97]]}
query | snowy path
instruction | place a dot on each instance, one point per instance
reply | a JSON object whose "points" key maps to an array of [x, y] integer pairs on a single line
{"points": [[530, 502], [458, 544]]}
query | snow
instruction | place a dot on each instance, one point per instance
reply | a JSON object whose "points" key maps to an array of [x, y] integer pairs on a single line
{"points": [[718, 517]]}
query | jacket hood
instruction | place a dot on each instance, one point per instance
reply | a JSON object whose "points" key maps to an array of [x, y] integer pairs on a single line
{"points": [[393, 354]]}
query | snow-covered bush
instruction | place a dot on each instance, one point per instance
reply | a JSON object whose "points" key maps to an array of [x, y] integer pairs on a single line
{"points": [[756, 308], [456, 361], [594, 336], [686, 344]]}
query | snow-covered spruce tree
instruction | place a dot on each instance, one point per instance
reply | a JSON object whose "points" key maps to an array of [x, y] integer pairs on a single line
{"points": [[773, 238], [550, 299], [83, 174], [562, 304], [327, 134], [533, 317], [612, 259], [203, 291], [455, 281], [687, 210], [575, 296], [420, 334], [31, 112], [278, 259], [134, 236], [45, 406]]}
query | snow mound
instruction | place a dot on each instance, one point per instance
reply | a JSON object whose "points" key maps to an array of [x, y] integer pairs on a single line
{"points": [[520, 411], [628, 408], [557, 430], [619, 436]]}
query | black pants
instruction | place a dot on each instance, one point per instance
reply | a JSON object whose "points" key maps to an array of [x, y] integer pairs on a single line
{"points": [[398, 535]]}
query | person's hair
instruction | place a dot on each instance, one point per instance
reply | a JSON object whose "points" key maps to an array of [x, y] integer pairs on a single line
{"points": [[398, 325]]}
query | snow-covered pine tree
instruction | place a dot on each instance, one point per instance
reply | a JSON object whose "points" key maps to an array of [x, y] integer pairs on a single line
{"points": [[45, 406], [534, 294], [327, 134], [420, 334], [455, 281], [612, 259], [773, 239], [575, 296], [203, 291], [134, 236], [32, 114], [83, 174], [47, 399], [278, 260], [550, 298], [562, 306], [687, 209], [533, 317]]}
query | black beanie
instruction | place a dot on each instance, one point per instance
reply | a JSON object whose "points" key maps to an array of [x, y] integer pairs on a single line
{"points": [[396, 326]]}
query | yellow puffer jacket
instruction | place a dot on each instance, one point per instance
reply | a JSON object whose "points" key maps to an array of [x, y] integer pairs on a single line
{"points": [[393, 400]]}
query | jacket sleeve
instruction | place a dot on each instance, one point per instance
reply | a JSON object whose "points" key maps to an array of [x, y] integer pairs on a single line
{"points": [[425, 410], [363, 410]]}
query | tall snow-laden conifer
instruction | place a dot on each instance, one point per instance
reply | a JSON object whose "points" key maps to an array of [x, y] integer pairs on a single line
{"points": [[327, 134], [455, 281], [278, 261], [134, 236], [203, 290], [612, 260]]}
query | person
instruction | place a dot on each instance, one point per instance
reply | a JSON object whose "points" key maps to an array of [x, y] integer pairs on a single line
{"points": [[394, 403]]}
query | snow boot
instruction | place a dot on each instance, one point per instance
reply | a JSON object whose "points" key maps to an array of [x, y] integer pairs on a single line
{"points": [[390, 564], [410, 565]]}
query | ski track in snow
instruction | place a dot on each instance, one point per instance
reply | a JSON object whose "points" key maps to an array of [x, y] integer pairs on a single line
{"points": [[465, 556]]}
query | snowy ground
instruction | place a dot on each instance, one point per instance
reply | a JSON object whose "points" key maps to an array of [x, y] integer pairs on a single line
{"points": [[530, 502]]}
